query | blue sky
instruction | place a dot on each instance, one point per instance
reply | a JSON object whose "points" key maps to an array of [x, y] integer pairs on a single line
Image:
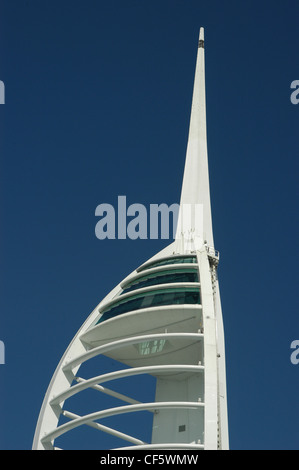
{"points": [[98, 98]]}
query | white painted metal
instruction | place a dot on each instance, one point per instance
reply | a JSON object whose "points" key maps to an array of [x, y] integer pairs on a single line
{"points": [[190, 410], [105, 429], [210, 354], [166, 446], [70, 391], [124, 342], [196, 187], [87, 419]]}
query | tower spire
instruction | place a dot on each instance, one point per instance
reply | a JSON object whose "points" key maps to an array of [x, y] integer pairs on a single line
{"points": [[195, 220]]}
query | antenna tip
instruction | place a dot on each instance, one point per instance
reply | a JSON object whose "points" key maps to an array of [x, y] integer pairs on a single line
{"points": [[201, 38]]}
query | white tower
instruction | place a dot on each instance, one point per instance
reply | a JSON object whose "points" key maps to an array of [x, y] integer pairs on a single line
{"points": [[164, 320]]}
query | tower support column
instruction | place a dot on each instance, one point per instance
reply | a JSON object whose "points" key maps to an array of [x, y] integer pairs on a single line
{"points": [[210, 353]]}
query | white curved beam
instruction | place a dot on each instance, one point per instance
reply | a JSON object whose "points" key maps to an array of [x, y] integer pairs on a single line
{"points": [[117, 411], [166, 446], [106, 429], [61, 397], [126, 342], [111, 393]]}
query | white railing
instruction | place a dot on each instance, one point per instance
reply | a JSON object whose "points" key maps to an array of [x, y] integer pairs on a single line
{"points": [[212, 252]]}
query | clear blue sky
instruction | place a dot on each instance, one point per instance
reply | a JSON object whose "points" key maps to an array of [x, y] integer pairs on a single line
{"points": [[98, 98]]}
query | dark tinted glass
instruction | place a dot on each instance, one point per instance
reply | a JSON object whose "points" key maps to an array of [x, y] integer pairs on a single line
{"points": [[153, 299], [163, 279], [172, 260]]}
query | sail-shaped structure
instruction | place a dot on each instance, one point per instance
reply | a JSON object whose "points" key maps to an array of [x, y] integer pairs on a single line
{"points": [[164, 320]]}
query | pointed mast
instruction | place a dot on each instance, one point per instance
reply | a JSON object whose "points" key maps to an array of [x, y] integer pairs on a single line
{"points": [[196, 189]]}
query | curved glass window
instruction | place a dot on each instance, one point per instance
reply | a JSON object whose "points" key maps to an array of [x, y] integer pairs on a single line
{"points": [[165, 277], [152, 299], [151, 347], [172, 260]]}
